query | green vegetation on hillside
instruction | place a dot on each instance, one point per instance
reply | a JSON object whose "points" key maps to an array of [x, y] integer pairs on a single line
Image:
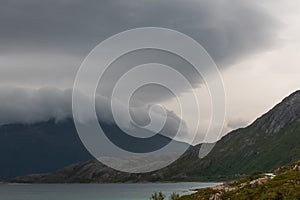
{"points": [[285, 185]]}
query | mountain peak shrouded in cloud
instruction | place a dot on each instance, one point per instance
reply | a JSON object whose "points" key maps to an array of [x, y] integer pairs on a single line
{"points": [[259, 147], [44, 43], [29, 106]]}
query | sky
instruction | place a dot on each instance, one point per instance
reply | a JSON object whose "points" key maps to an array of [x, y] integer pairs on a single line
{"points": [[43, 43]]}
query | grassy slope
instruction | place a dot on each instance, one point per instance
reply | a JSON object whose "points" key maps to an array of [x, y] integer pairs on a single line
{"points": [[271, 141], [250, 151], [286, 185], [244, 151]]}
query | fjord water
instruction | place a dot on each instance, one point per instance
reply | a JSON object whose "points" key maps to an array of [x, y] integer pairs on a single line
{"points": [[93, 191]]}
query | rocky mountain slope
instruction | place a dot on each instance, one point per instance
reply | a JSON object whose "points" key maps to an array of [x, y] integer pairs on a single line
{"points": [[272, 140]]}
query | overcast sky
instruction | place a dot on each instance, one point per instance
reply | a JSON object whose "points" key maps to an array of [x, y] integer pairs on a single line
{"points": [[255, 45]]}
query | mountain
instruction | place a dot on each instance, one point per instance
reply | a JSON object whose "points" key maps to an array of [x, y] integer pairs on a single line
{"points": [[48, 146], [270, 141]]}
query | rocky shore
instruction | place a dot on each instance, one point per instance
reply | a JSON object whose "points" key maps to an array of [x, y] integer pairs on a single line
{"points": [[283, 183]]}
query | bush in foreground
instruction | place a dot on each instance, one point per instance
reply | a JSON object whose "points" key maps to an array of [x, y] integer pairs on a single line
{"points": [[161, 196]]}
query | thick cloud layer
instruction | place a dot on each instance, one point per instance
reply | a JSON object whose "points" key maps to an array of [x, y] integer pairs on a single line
{"points": [[44, 42], [28, 106], [19, 105]]}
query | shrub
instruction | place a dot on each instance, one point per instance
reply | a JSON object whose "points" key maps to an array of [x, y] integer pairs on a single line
{"points": [[157, 196], [174, 196]]}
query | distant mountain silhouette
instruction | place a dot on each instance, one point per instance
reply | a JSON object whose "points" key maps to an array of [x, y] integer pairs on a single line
{"points": [[47, 146]]}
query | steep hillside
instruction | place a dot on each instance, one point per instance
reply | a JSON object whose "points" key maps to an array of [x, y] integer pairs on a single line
{"points": [[271, 141]]}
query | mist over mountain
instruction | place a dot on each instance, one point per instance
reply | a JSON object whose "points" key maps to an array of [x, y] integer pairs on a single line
{"points": [[28, 106], [269, 142]]}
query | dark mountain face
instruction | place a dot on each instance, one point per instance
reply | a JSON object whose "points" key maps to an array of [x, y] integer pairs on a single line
{"points": [[281, 116], [47, 146], [39, 148], [271, 141]]}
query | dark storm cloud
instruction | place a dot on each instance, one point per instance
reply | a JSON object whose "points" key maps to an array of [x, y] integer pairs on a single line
{"points": [[44, 42], [227, 29]]}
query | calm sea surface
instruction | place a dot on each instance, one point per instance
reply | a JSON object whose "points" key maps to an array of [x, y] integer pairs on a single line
{"points": [[94, 191]]}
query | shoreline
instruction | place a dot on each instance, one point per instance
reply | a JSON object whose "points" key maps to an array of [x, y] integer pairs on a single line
{"points": [[107, 183]]}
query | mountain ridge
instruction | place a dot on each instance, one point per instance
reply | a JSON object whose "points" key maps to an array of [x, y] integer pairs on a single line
{"points": [[270, 141]]}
